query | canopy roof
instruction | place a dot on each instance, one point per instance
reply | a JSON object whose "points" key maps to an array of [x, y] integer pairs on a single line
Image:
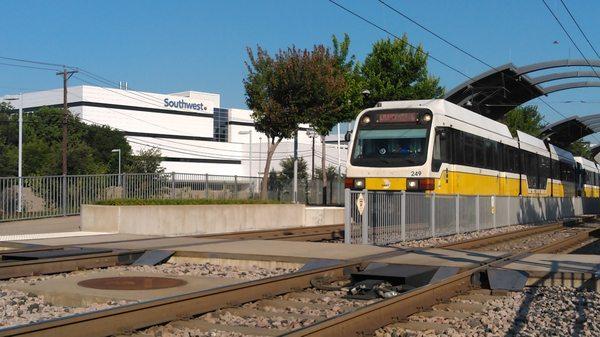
{"points": [[497, 91]]}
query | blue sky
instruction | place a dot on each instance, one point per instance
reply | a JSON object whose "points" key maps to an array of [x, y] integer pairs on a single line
{"points": [[170, 46]]}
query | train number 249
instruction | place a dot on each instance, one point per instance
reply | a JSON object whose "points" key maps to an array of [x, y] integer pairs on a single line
{"points": [[415, 173]]}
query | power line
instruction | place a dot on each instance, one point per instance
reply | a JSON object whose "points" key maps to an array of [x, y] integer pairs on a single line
{"points": [[462, 50], [27, 67], [35, 62], [436, 35], [570, 38], [580, 30], [399, 38]]}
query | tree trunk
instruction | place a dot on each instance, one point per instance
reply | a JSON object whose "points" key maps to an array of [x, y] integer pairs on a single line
{"points": [[324, 168], [264, 186]]}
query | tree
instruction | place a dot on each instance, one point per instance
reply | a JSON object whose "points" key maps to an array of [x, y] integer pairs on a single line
{"points": [[524, 118], [396, 71], [146, 161], [88, 151], [332, 173], [287, 168], [581, 148], [327, 73], [272, 92]]}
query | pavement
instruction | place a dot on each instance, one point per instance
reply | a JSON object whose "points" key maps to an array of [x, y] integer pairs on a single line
{"points": [[45, 225]]}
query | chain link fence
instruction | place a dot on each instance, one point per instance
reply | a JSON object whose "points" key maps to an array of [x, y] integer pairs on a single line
{"points": [[382, 218]]}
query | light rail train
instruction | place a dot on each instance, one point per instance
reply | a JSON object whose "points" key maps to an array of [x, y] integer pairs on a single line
{"points": [[437, 146]]}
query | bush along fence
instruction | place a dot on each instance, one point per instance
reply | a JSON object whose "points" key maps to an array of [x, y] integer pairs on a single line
{"points": [[48, 196], [381, 218]]}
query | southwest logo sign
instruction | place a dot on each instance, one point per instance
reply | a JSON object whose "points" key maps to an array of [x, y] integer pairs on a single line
{"points": [[182, 104]]}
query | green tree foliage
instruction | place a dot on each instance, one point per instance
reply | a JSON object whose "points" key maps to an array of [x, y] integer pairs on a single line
{"points": [[581, 148], [332, 173], [352, 100], [287, 169], [146, 161], [88, 152], [396, 71], [524, 118], [294, 86]]}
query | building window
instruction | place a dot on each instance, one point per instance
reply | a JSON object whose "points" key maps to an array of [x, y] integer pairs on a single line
{"points": [[221, 125]]}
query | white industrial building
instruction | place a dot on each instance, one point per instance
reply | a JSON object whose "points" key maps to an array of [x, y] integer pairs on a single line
{"points": [[191, 129]]}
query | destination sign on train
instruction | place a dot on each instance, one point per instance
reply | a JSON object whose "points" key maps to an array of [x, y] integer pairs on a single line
{"points": [[393, 117]]}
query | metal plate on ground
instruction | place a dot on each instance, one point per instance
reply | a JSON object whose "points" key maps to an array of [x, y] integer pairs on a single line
{"points": [[132, 283], [507, 279], [314, 264], [153, 257], [53, 253], [398, 274]]}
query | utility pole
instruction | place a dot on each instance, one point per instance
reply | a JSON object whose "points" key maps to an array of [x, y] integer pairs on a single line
{"points": [[66, 74]]}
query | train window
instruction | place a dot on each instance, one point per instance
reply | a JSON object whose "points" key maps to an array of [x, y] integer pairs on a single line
{"points": [[545, 171], [469, 141], [459, 147], [490, 154], [442, 149], [479, 152], [531, 171]]}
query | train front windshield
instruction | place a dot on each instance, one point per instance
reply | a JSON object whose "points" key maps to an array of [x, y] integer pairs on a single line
{"points": [[392, 139]]}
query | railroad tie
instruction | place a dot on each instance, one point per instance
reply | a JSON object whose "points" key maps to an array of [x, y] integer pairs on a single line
{"points": [[248, 312], [198, 324], [421, 326]]}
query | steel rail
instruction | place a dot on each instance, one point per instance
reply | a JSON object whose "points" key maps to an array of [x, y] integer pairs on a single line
{"points": [[366, 320], [69, 263], [503, 237], [139, 315]]}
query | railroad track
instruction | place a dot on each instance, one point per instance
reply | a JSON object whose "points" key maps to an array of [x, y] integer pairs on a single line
{"points": [[291, 297]]}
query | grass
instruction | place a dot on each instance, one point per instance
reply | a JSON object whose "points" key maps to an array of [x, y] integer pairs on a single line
{"points": [[143, 202]]}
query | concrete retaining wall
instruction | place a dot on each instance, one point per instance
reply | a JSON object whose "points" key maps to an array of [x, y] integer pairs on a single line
{"points": [[203, 219]]}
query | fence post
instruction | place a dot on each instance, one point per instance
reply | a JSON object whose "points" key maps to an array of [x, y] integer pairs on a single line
{"points": [[457, 213], [206, 186], [64, 195], [477, 211], [508, 200], [494, 209], [235, 187], [365, 219], [432, 217], [347, 217], [172, 185], [403, 215]]}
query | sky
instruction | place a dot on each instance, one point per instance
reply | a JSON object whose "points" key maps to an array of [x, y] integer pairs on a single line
{"points": [[173, 46]]}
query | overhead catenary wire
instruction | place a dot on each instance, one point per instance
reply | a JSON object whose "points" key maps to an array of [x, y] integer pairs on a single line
{"points": [[580, 29], [570, 37], [397, 37], [478, 59]]}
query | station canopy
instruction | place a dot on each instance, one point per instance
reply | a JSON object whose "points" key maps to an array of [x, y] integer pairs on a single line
{"points": [[569, 130], [499, 90]]}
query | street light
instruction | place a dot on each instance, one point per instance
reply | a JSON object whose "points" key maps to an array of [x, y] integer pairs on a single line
{"points": [[119, 152], [249, 133], [312, 134], [20, 163]]}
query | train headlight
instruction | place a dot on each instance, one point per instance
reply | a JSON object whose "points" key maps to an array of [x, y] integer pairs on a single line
{"points": [[412, 184], [359, 183], [427, 118], [366, 120]]}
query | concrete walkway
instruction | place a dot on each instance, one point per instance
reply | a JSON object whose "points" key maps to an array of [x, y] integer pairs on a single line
{"points": [[46, 225]]}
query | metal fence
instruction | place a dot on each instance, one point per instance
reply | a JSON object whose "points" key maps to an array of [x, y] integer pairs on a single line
{"points": [[47, 196], [381, 218], [311, 192], [36, 197]]}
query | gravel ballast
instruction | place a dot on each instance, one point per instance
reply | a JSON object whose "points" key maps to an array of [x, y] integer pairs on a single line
{"points": [[432, 242], [21, 308], [543, 311]]}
